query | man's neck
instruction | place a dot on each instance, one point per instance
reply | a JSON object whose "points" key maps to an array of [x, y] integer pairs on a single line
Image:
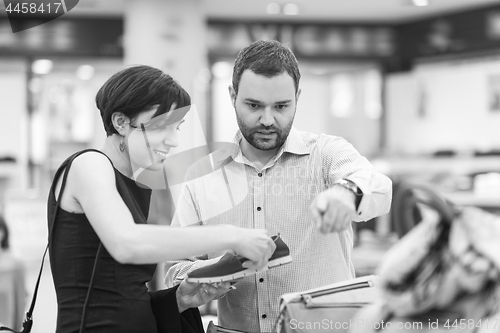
{"points": [[257, 156]]}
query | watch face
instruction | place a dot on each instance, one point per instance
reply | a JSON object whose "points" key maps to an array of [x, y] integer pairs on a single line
{"points": [[343, 182], [349, 185]]}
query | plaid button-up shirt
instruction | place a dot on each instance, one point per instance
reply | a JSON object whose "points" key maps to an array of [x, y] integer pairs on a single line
{"points": [[277, 198]]}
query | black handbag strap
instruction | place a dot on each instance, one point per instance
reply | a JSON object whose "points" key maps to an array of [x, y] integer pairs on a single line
{"points": [[89, 291], [28, 321]]}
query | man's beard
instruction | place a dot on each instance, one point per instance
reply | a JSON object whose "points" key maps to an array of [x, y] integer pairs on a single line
{"points": [[263, 142]]}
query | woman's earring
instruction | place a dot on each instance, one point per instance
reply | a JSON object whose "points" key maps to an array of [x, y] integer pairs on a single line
{"points": [[122, 145]]}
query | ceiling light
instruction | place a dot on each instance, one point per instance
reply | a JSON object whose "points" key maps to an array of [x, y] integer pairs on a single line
{"points": [[273, 8], [421, 3], [291, 9], [222, 69], [42, 66], [85, 72]]}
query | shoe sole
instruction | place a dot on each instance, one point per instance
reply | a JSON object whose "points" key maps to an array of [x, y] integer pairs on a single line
{"points": [[241, 274]]}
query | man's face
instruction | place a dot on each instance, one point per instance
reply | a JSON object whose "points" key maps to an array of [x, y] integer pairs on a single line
{"points": [[265, 108]]}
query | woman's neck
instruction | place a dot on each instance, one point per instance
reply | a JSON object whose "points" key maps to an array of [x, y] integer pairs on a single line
{"points": [[121, 160]]}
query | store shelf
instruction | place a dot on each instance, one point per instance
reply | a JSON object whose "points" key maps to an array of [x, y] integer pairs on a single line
{"points": [[471, 199], [452, 165], [454, 176]]}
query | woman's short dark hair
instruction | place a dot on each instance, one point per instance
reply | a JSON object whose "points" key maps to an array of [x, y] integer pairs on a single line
{"points": [[137, 89], [268, 58], [4, 230]]}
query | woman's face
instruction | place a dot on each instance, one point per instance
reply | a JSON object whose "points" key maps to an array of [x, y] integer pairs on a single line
{"points": [[150, 139]]}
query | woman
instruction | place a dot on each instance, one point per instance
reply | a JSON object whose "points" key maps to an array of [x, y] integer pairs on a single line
{"points": [[142, 109]]}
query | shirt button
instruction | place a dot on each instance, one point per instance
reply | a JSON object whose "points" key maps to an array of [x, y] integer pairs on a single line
{"points": [[264, 316], [259, 174], [261, 280], [259, 209]]}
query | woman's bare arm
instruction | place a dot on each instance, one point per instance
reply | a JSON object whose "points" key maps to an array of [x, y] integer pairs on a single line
{"points": [[91, 181]]}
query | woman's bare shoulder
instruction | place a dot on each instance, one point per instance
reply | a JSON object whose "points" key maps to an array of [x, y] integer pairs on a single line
{"points": [[90, 170], [93, 163]]}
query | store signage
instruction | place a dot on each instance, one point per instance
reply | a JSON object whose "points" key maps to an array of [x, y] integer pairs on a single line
{"points": [[469, 32], [308, 40], [26, 216], [493, 25], [62, 37]]}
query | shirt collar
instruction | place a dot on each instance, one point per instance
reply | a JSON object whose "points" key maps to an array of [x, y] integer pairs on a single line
{"points": [[295, 144]]}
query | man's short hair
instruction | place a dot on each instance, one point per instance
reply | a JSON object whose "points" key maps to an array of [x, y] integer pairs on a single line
{"points": [[266, 57]]}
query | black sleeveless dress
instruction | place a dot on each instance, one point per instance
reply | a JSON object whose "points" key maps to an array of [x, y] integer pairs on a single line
{"points": [[119, 302]]}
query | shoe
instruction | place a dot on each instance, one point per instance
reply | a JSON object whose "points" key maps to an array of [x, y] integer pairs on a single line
{"points": [[229, 267], [212, 328]]}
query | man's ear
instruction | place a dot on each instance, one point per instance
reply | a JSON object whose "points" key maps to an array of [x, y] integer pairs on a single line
{"points": [[119, 121], [233, 95], [297, 95]]}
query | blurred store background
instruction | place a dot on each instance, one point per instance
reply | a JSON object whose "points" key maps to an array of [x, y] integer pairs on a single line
{"points": [[413, 84]]}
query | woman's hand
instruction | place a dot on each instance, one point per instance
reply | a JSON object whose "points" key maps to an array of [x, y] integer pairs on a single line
{"points": [[255, 245], [192, 295]]}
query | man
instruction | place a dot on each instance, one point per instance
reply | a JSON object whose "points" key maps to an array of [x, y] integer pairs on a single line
{"points": [[309, 188]]}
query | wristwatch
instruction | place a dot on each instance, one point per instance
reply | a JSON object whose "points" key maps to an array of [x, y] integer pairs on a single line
{"points": [[354, 188], [349, 185]]}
